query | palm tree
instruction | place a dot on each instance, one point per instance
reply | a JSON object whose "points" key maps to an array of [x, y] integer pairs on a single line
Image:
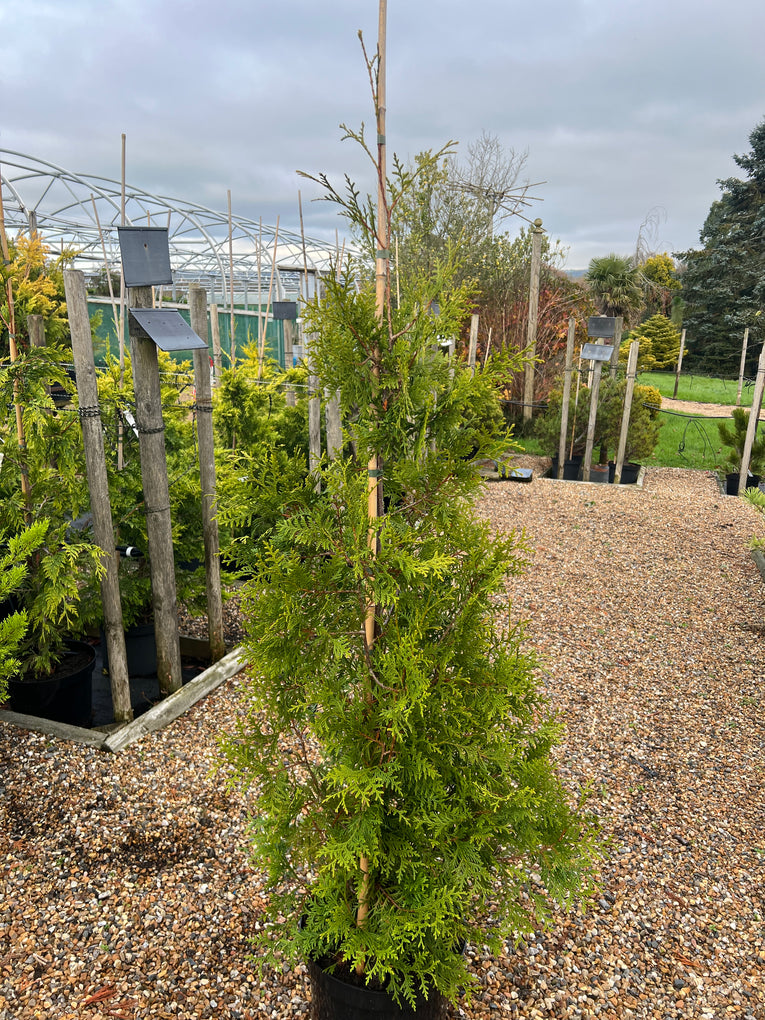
{"points": [[615, 284]]}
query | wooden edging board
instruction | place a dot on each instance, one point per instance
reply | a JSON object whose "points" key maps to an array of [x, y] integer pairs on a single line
{"points": [[158, 716]]}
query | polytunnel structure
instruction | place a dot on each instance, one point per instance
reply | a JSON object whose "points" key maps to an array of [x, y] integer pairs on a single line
{"points": [[238, 260]]}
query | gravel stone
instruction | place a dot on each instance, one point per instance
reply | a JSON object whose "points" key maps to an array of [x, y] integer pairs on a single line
{"points": [[125, 891]]}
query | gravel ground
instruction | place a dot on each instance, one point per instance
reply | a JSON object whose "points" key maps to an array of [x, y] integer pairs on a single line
{"points": [[124, 892]]}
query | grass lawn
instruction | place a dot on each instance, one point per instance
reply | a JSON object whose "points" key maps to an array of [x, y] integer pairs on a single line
{"points": [[684, 441], [701, 388]]}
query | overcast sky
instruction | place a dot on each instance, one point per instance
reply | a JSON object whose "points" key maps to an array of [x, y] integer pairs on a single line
{"points": [[624, 106]]}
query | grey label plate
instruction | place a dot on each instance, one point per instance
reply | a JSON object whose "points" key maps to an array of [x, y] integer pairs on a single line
{"points": [[166, 327], [145, 256], [597, 352]]}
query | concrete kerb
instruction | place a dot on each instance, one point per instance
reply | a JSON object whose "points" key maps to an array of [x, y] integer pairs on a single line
{"points": [[158, 716]]}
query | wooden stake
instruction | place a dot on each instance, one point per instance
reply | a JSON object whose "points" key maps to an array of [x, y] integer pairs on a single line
{"points": [[13, 350], [232, 346], [632, 361], [754, 417], [597, 371], [741, 367], [382, 292], [473, 340], [262, 349], [215, 329], [531, 332], [98, 486], [566, 393], [198, 310], [618, 328], [679, 363], [314, 400], [156, 491]]}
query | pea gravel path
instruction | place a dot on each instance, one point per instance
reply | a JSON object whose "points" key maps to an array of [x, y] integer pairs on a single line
{"points": [[123, 891]]}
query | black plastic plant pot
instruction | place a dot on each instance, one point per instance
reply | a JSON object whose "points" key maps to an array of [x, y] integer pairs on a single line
{"points": [[732, 479], [66, 696], [630, 473], [599, 473], [336, 999], [140, 649], [571, 468]]}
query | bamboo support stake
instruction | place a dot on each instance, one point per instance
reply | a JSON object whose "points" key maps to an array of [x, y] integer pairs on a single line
{"points": [[679, 363], [14, 353], [264, 318], [382, 288], [632, 361], [754, 417], [215, 330], [232, 339], [98, 486], [566, 393], [741, 367], [156, 490], [531, 332], [314, 399], [198, 309]]}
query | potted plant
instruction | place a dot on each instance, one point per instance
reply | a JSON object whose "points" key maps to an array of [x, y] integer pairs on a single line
{"points": [[398, 746], [734, 438], [547, 431], [42, 480]]}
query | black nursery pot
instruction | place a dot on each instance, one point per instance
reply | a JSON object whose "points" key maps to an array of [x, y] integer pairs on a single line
{"points": [[338, 999], [66, 696], [571, 468], [732, 479]]}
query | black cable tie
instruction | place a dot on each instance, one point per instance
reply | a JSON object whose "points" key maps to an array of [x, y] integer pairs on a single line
{"points": [[89, 412], [150, 432], [202, 408], [156, 509]]}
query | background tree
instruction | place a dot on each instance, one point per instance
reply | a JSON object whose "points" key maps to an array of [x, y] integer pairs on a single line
{"points": [[660, 284], [660, 339], [724, 281], [614, 281]]}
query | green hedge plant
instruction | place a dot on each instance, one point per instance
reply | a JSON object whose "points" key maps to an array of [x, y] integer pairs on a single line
{"points": [[405, 797]]}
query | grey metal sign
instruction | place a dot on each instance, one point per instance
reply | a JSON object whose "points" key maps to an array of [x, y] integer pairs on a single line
{"points": [[601, 326], [145, 256], [284, 310], [597, 352], [166, 327]]}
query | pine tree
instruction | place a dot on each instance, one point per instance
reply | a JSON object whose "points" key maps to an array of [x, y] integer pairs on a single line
{"points": [[724, 281]]}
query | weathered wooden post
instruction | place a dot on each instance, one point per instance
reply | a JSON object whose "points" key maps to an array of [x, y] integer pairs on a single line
{"points": [[566, 394], [198, 309], [597, 370], [600, 327], [754, 417], [146, 263], [473, 340], [156, 491], [741, 367], [679, 364], [632, 361], [531, 333], [36, 327], [98, 485], [617, 341]]}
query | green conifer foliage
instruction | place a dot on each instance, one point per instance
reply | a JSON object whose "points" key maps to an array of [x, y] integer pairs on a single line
{"points": [[425, 753]]}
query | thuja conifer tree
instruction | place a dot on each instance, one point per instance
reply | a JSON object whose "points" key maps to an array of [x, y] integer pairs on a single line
{"points": [[406, 799]]}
